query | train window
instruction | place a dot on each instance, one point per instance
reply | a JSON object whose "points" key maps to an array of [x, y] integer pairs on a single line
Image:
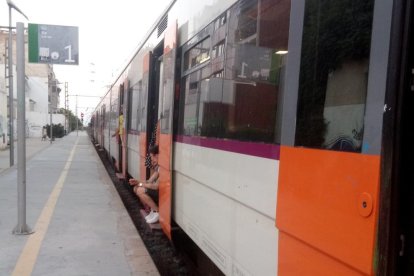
{"points": [[236, 96], [258, 33], [113, 118], [334, 74], [198, 54], [142, 104], [133, 107]]}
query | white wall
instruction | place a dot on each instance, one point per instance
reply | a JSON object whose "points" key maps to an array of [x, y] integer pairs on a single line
{"points": [[37, 99], [36, 90], [58, 119], [36, 120], [36, 93]]}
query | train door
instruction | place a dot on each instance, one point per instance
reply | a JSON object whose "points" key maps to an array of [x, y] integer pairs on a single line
{"points": [[330, 159], [396, 233], [166, 107], [121, 118]]}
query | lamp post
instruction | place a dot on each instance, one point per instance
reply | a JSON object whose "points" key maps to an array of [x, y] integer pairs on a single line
{"points": [[10, 62]]}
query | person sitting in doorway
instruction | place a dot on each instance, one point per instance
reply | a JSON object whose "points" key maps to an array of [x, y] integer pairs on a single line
{"points": [[147, 191]]}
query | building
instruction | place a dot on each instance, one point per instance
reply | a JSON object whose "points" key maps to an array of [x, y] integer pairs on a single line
{"points": [[42, 93]]}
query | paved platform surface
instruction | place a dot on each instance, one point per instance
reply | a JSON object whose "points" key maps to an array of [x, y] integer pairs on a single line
{"points": [[80, 224], [33, 146]]}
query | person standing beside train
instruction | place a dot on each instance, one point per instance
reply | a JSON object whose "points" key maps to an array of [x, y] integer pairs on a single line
{"points": [[147, 190], [119, 132]]}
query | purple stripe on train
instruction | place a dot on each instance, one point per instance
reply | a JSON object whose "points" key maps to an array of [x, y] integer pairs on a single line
{"points": [[269, 151]]}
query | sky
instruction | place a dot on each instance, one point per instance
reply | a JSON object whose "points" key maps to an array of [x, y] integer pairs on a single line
{"points": [[109, 33]]}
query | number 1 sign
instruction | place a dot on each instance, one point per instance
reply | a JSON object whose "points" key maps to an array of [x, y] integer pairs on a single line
{"points": [[53, 44]]}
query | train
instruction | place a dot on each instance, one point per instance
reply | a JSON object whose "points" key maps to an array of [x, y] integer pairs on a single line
{"points": [[283, 132]]}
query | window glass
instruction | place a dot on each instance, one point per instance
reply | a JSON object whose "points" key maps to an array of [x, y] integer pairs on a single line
{"points": [[212, 109], [236, 95], [334, 74]]}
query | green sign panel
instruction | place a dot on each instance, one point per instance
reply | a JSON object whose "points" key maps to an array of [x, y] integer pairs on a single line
{"points": [[53, 44]]}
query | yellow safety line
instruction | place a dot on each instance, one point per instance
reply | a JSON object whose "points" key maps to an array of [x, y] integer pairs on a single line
{"points": [[28, 257]]}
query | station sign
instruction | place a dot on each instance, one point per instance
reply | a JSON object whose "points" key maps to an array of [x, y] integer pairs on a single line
{"points": [[53, 44]]}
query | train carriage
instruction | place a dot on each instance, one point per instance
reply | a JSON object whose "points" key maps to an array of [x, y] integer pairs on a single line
{"points": [[283, 129]]}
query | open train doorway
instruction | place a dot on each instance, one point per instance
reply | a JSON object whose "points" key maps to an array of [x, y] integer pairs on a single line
{"points": [[396, 254], [153, 97], [405, 153]]}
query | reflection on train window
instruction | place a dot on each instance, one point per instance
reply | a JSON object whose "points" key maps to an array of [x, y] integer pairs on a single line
{"points": [[199, 54], [236, 95], [217, 50], [247, 22], [189, 111], [219, 74], [220, 21], [334, 74]]}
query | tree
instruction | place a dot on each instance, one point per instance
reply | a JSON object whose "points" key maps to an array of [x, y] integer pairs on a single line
{"points": [[72, 119]]}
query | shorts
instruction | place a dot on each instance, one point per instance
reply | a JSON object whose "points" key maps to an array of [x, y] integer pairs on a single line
{"points": [[153, 194]]}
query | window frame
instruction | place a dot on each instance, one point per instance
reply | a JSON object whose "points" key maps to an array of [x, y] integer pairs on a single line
{"points": [[377, 77]]}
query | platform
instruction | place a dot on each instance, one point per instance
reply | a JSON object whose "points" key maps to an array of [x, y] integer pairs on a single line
{"points": [[80, 224]]}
